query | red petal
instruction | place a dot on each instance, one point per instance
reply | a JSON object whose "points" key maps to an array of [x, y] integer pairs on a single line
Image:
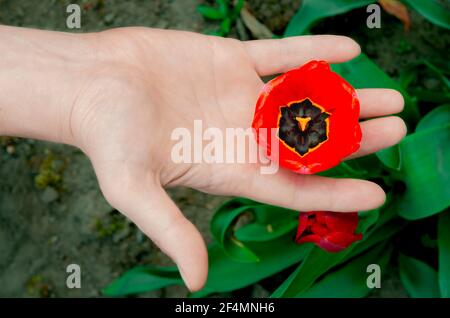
{"points": [[342, 222], [341, 240], [319, 229], [309, 238], [303, 223], [331, 231]]}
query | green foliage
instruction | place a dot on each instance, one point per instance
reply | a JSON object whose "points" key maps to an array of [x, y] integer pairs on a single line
{"points": [[275, 253], [313, 11], [224, 12], [269, 223], [424, 169], [415, 174], [444, 253], [419, 279], [142, 279], [353, 275], [433, 11]]}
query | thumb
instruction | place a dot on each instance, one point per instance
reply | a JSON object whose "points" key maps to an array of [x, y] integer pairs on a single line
{"points": [[148, 206]]}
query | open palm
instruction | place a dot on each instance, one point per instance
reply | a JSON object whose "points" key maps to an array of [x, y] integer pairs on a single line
{"points": [[153, 81]]}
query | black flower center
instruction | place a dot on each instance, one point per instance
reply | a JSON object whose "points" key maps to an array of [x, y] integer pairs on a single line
{"points": [[303, 126]]}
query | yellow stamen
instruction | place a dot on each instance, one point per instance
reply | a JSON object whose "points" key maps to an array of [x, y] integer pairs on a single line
{"points": [[302, 122]]}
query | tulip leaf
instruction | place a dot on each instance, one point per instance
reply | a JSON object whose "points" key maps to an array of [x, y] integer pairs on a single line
{"points": [[362, 168], [425, 161], [438, 117], [379, 234], [269, 222], [222, 229], [311, 11], [223, 6], [142, 279], [210, 12], [419, 279], [432, 11], [439, 97], [315, 264], [444, 253], [256, 232], [225, 26], [390, 157], [275, 248], [351, 279], [275, 256]]}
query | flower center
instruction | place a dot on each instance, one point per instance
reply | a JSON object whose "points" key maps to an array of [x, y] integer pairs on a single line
{"points": [[303, 126], [302, 122]]}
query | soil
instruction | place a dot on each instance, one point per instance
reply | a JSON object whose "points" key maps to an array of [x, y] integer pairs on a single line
{"points": [[52, 213]]}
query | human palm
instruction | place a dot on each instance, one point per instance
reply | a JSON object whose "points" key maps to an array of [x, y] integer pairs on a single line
{"points": [[155, 81]]}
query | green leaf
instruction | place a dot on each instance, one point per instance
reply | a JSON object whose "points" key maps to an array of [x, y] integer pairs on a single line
{"points": [[438, 72], [142, 279], [315, 264], [351, 279], [311, 11], [380, 234], [406, 77], [275, 256], [273, 244], [444, 253], [269, 236], [237, 8], [362, 168], [223, 6], [390, 157], [257, 232], [432, 11], [425, 161], [269, 222], [225, 26], [222, 230], [419, 279], [440, 97], [438, 117], [209, 12], [226, 274]]}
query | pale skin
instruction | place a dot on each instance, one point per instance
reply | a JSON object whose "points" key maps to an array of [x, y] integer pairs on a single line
{"points": [[118, 94]]}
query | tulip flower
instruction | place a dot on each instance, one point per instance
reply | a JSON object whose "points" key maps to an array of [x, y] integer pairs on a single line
{"points": [[331, 231], [315, 113]]}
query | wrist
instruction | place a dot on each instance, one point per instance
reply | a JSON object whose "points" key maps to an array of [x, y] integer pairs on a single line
{"points": [[41, 76]]}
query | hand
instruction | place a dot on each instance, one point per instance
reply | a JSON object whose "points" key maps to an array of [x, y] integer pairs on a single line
{"points": [[148, 82]]}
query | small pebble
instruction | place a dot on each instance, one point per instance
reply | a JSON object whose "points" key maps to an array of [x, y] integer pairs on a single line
{"points": [[49, 195], [10, 149]]}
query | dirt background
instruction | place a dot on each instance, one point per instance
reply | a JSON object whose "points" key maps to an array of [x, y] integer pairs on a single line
{"points": [[52, 213]]}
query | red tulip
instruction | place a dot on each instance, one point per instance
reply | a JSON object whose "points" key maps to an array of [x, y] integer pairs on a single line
{"points": [[331, 231], [315, 113]]}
